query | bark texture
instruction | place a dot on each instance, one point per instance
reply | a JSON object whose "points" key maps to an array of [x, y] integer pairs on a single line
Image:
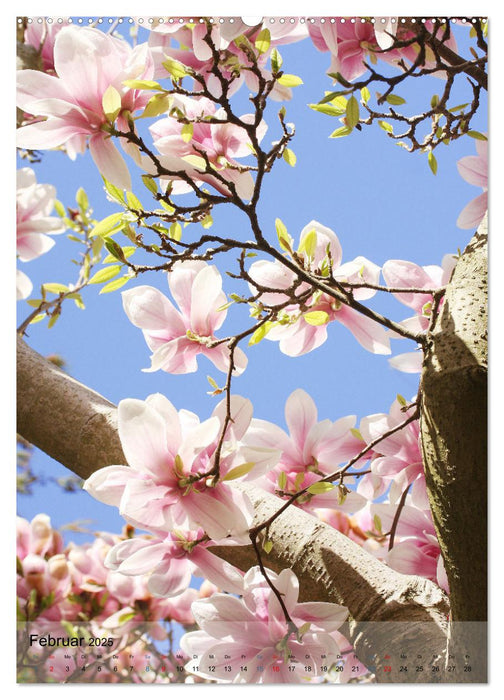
{"points": [[454, 430]]}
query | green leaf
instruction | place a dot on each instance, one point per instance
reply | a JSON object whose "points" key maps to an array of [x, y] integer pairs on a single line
{"points": [[342, 131], [282, 481], [53, 320], [276, 60], [212, 382], [111, 103], [385, 126], [259, 333], [176, 231], [341, 80], [365, 95], [82, 200], [55, 288], [149, 182], [432, 162], [105, 274], [289, 157], [263, 40], [284, 239], [268, 546], [176, 69], [395, 100], [329, 109], [309, 244], [289, 80], [38, 318], [109, 225], [239, 471], [330, 96], [158, 104], [207, 222], [316, 318], [114, 192], [133, 201], [377, 523], [126, 617], [459, 108], [60, 209], [352, 112], [187, 132], [115, 284], [401, 400], [477, 135], [115, 250], [356, 433], [320, 487], [127, 251], [142, 84]]}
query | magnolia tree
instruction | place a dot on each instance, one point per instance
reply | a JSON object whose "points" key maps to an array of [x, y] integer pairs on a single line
{"points": [[333, 550]]}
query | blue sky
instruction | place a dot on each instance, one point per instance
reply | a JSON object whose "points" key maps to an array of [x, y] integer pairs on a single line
{"points": [[381, 202]]}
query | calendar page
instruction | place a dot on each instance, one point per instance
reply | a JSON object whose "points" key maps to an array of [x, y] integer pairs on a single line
{"points": [[251, 349]]}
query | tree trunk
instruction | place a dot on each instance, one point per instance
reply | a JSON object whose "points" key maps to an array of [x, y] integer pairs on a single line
{"points": [[454, 443]]}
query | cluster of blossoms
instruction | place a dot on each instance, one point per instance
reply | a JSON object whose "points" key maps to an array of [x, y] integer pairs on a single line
{"points": [[68, 590], [353, 44]]}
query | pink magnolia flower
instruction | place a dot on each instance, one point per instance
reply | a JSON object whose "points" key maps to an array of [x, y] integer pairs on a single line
{"points": [[311, 450], [89, 66], [220, 142], [169, 453], [398, 458], [37, 537], [404, 274], [42, 35], [474, 170], [248, 640], [171, 562], [177, 337], [416, 550], [34, 204], [300, 332]]}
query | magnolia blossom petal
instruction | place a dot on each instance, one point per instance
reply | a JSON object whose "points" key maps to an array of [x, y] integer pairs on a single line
{"points": [[31, 246], [41, 135], [135, 556], [221, 514], [410, 362], [177, 356], [474, 170], [142, 431], [370, 334], [224, 575], [24, 285], [300, 416], [206, 297], [472, 214], [408, 558], [149, 309], [171, 577], [109, 161], [107, 484]]}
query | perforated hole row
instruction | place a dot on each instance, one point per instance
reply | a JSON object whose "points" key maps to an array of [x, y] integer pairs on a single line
{"points": [[251, 21]]}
